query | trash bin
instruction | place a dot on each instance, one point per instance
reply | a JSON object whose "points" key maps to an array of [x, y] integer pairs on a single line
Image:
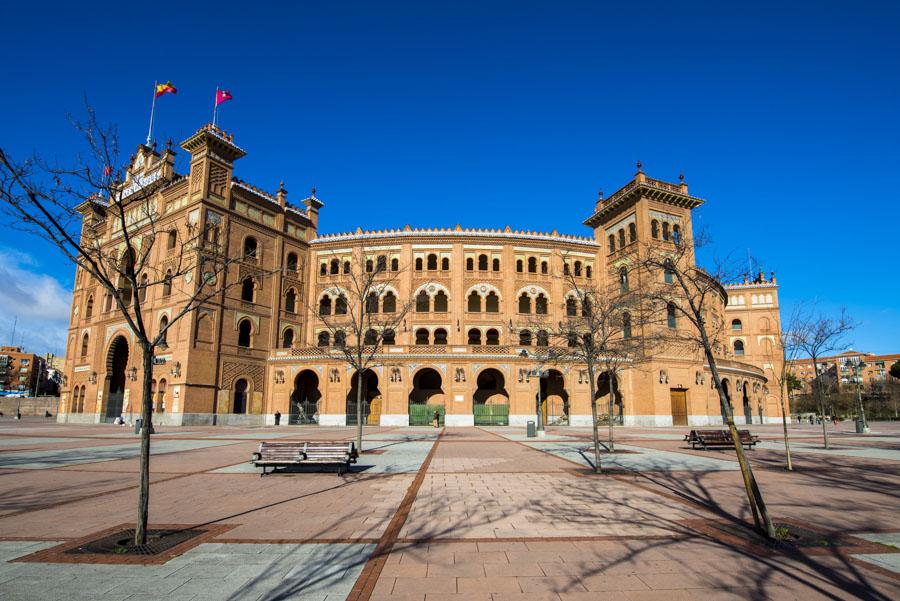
{"points": [[137, 425], [531, 430]]}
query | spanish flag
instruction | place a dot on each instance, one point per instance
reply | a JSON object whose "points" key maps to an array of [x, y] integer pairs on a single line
{"points": [[165, 88]]}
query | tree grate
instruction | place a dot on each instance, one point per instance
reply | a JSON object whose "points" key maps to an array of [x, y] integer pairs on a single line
{"points": [[122, 543]]}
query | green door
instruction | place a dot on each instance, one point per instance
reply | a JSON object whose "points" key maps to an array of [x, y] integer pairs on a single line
{"points": [[423, 415], [491, 415]]}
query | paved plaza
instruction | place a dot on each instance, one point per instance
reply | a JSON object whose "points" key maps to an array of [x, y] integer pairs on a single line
{"points": [[457, 513]]}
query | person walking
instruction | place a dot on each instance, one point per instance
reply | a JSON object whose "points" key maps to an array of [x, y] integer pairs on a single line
{"points": [[437, 418]]}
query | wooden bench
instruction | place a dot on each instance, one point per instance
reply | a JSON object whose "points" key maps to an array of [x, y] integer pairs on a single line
{"points": [[281, 453], [719, 438]]}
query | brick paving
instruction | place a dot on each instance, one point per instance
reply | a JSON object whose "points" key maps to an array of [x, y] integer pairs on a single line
{"points": [[479, 513]]}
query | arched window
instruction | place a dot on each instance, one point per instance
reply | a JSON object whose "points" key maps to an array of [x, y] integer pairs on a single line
{"points": [[565, 269], [671, 319], [244, 330], [163, 324], [474, 303], [587, 272], [324, 339], [736, 325], [571, 340], [287, 339], [470, 264], [496, 265], [432, 262], [632, 232], [654, 229], [571, 307], [544, 267], [161, 396], [372, 303], [335, 266], [389, 304], [167, 283], [371, 337], [445, 264], [623, 279], [370, 265], [524, 303], [325, 305], [668, 273], [381, 263], [388, 337], [423, 302], [738, 348], [247, 290], [518, 265], [492, 337], [578, 269], [440, 302], [145, 283], [89, 308], [422, 336], [440, 336], [540, 304], [204, 329], [621, 237], [395, 264], [474, 336], [612, 243], [84, 345], [492, 303], [346, 267], [626, 325], [340, 339], [292, 264], [676, 234], [172, 241], [532, 265], [250, 247], [340, 305], [290, 301], [665, 230], [323, 269], [542, 338], [418, 263], [525, 338], [585, 306], [482, 262]]}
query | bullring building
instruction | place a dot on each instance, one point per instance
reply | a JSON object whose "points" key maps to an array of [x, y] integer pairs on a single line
{"points": [[261, 349]]}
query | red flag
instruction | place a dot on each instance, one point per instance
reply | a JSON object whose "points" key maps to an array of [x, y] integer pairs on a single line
{"points": [[107, 171], [165, 88], [222, 96]]}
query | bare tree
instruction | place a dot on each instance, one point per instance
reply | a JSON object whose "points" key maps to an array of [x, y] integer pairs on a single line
{"points": [[80, 208], [785, 353], [358, 322], [596, 333], [689, 300], [816, 335]]}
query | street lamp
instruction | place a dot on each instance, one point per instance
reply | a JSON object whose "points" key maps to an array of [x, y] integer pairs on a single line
{"points": [[861, 426], [540, 374]]}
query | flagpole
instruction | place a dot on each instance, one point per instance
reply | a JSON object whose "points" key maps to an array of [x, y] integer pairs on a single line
{"points": [[215, 106], [152, 108]]}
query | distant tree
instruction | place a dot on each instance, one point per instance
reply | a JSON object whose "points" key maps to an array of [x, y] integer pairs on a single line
{"points": [[895, 370], [793, 382]]}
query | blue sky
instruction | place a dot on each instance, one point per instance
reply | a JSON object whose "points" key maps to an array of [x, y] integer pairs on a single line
{"points": [[783, 116]]}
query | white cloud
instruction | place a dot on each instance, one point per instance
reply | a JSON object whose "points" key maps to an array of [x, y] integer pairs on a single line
{"points": [[40, 302]]}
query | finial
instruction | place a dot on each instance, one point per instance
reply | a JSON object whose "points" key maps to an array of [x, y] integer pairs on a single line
{"points": [[640, 166], [600, 194], [681, 177], [313, 192], [169, 144], [153, 145], [281, 185]]}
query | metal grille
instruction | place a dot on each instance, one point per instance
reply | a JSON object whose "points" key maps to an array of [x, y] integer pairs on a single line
{"points": [[491, 415]]}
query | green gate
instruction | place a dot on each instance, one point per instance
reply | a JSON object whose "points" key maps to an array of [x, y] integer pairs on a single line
{"points": [[491, 415], [423, 415]]}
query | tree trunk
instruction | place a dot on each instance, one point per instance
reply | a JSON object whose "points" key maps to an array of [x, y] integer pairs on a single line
{"points": [[143, 509], [817, 391], [359, 424], [787, 444], [595, 430], [612, 404]]}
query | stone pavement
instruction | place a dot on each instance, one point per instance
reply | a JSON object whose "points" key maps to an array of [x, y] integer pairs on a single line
{"points": [[468, 513]]}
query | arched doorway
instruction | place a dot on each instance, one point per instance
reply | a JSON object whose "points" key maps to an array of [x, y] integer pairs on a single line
{"points": [[748, 410], [116, 362], [603, 392], [371, 397], [305, 398], [240, 396], [554, 399], [726, 388], [426, 397], [491, 400]]}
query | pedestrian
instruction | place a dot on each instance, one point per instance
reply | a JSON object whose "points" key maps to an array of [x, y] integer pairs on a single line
{"points": [[278, 418], [437, 418]]}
